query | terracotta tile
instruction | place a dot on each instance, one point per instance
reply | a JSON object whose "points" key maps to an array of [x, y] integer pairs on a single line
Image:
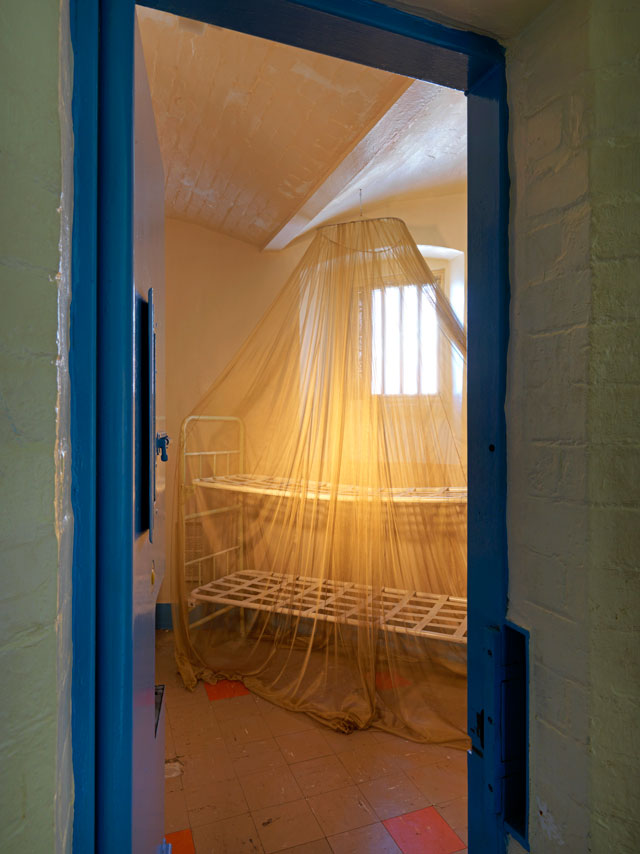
{"points": [[180, 699], [455, 813], [171, 677], [320, 846], [393, 795], [209, 766], [316, 776], [408, 754], [283, 722], [215, 802], [190, 717], [367, 763], [190, 736], [298, 746], [342, 741], [285, 825], [268, 788], [236, 707], [372, 839], [225, 689], [181, 842], [237, 835], [245, 729], [173, 784], [264, 706], [342, 809], [423, 831], [255, 756], [385, 737], [169, 746], [386, 681], [165, 665], [441, 782], [175, 812], [457, 760]]}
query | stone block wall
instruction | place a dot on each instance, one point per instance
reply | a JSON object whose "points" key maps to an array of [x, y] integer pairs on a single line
{"points": [[550, 98], [613, 427]]}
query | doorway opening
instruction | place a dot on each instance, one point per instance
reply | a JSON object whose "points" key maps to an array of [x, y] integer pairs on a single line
{"points": [[316, 392], [365, 34]]}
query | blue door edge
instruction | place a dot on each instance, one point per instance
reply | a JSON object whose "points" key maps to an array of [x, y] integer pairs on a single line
{"points": [[488, 308], [101, 417], [114, 430], [102, 258]]}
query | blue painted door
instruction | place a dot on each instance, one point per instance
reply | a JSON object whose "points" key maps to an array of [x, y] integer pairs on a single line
{"points": [[149, 469]]}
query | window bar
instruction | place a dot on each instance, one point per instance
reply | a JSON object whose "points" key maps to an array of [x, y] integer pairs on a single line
{"points": [[401, 339], [383, 338], [419, 339]]}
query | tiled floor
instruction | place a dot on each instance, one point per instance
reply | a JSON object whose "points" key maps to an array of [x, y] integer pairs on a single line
{"points": [[243, 775]]}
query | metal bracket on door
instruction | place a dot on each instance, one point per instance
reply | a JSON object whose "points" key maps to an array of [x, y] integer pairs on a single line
{"points": [[162, 444], [499, 734]]}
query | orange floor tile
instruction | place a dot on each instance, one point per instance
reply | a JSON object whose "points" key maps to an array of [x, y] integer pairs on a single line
{"points": [[225, 689], [423, 832], [181, 842]]}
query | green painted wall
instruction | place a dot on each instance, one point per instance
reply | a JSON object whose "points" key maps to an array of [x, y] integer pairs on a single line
{"points": [[35, 524], [613, 427]]}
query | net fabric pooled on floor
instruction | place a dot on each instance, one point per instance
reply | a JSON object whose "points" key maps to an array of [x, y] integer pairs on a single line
{"points": [[349, 393]]}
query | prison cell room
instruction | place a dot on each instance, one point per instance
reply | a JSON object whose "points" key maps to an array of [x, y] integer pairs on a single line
{"points": [[315, 657]]}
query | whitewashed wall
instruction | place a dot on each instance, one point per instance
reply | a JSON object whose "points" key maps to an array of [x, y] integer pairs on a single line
{"points": [[573, 416]]}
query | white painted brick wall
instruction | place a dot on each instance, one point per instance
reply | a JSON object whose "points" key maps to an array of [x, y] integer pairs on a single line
{"points": [[550, 90], [573, 416]]}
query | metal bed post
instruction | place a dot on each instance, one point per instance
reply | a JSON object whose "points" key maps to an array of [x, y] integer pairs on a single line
{"points": [[238, 506]]}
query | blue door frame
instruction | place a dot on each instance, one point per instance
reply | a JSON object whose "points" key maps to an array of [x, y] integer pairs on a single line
{"points": [[101, 340]]}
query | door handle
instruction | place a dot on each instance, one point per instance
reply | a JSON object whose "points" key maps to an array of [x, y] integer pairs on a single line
{"points": [[162, 443]]}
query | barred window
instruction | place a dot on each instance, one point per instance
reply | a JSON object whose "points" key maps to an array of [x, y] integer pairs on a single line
{"points": [[405, 341]]}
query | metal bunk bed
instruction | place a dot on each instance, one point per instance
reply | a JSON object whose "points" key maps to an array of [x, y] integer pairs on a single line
{"points": [[411, 612]]}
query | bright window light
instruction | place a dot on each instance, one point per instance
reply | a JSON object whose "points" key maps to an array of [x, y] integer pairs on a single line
{"points": [[405, 341], [456, 299]]}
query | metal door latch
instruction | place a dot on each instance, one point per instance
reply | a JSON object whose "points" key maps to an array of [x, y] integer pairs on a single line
{"points": [[162, 443]]}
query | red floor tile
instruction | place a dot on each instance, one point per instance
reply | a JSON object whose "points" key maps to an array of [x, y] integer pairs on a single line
{"points": [[225, 689], [386, 681], [423, 832], [181, 842]]}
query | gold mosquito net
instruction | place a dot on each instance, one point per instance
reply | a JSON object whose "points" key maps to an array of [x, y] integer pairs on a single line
{"points": [[320, 545]]}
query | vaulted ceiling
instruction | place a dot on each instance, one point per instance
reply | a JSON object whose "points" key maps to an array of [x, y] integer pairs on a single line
{"points": [[259, 138]]}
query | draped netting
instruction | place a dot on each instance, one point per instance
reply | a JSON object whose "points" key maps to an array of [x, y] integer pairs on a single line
{"points": [[320, 536]]}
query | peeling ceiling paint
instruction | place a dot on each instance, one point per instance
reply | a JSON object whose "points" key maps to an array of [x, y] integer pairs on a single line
{"points": [[261, 141], [418, 148], [248, 128]]}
